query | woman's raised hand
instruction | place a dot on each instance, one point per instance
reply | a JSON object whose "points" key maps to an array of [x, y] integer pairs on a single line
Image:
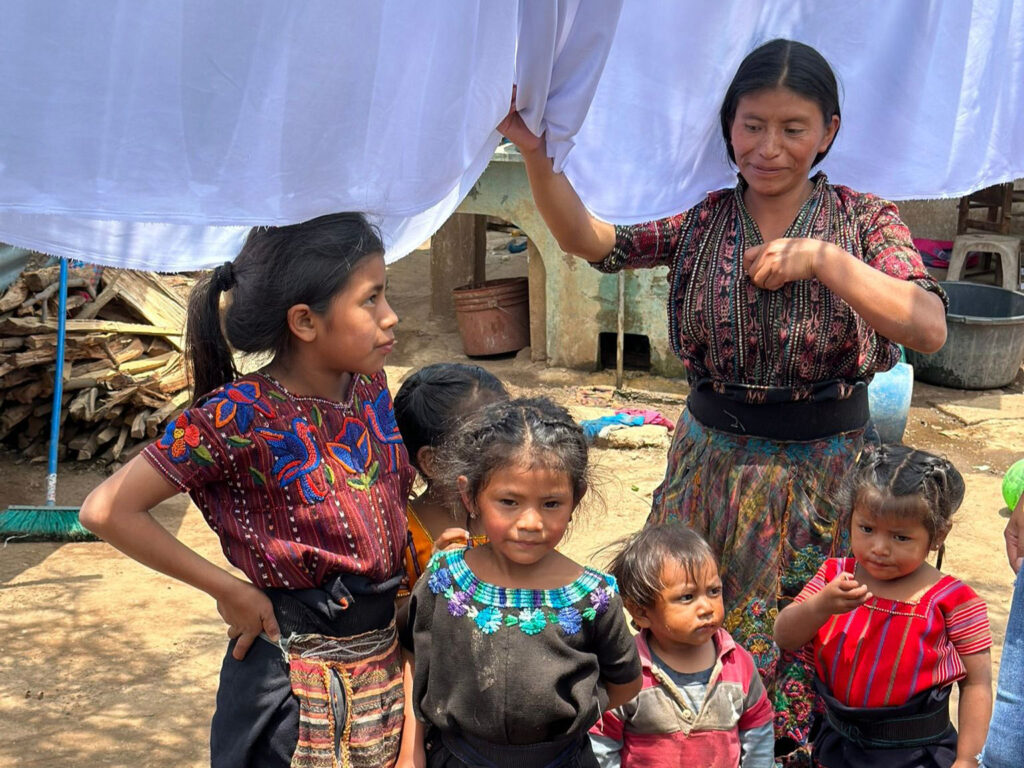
{"points": [[777, 262], [514, 129]]}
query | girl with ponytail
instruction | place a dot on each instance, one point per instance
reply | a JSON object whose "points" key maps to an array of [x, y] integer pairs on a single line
{"points": [[300, 471]]}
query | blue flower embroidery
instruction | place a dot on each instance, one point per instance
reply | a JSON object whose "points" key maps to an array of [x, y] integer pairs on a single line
{"points": [[599, 599], [570, 620], [458, 604], [351, 449], [380, 415], [489, 620], [532, 620], [439, 581], [297, 459]]}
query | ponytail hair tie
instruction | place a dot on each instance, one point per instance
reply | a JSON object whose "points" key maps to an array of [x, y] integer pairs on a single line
{"points": [[224, 277]]}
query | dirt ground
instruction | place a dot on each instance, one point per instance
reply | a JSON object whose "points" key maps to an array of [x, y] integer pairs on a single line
{"points": [[105, 663]]}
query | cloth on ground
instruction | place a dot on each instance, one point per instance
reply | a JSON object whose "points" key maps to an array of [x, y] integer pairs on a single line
{"points": [[594, 428]]}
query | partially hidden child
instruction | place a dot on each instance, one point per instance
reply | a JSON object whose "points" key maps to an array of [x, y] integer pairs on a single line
{"points": [[518, 649], [428, 407], [300, 471], [888, 634], [702, 701]]}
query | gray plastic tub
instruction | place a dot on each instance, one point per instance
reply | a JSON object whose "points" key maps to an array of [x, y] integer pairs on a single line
{"points": [[984, 343]]}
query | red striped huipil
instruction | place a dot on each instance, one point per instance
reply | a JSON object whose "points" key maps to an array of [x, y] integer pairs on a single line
{"points": [[885, 651]]}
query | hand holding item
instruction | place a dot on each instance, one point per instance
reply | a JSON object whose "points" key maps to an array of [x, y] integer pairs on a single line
{"points": [[843, 594]]}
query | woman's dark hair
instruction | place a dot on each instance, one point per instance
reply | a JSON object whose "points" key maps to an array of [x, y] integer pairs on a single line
{"points": [[899, 481], [277, 268], [433, 399], [638, 564], [782, 64], [531, 432]]}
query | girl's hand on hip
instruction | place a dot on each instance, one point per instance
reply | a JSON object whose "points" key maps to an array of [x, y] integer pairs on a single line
{"points": [[777, 262], [514, 129], [843, 594], [247, 611]]}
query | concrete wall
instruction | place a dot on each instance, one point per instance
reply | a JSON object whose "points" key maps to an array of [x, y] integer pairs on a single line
{"points": [[571, 303]]}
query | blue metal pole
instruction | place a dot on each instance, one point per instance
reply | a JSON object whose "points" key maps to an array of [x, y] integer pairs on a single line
{"points": [[58, 387]]}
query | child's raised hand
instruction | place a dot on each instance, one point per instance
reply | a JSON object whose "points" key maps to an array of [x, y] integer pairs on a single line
{"points": [[247, 611], [842, 594], [452, 538]]}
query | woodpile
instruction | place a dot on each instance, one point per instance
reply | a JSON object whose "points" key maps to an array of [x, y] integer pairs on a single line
{"points": [[124, 370]]}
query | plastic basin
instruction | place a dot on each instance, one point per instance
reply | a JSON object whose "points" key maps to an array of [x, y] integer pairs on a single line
{"points": [[984, 342]]}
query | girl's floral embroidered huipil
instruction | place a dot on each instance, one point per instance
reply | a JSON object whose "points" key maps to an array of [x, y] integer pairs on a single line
{"points": [[298, 489], [483, 650]]}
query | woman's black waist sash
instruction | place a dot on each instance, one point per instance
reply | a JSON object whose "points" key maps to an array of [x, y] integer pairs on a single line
{"points": [[796, 421]]}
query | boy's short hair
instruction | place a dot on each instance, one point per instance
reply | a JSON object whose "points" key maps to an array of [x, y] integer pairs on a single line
{"points": [[637, 566]]}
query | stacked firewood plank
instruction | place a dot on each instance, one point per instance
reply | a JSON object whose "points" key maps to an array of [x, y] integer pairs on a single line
{"points": [[124, 370]]}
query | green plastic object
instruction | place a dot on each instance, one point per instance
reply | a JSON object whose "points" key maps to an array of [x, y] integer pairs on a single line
{"points": [[1013, 484]]}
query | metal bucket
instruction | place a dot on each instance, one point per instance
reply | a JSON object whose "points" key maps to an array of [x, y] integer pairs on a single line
{"points": [[984, 342], [494, 317]]}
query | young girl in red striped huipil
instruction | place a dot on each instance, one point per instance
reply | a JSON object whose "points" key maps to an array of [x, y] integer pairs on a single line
{"points": [[888, 634]]}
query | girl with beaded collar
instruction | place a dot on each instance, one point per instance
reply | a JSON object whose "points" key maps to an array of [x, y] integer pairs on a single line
{"points": [[300, 471], [887, 634], [518, 649]]}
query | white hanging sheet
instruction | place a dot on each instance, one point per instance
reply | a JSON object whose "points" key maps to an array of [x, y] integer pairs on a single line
{"points": [[932, 98], [153, 135]]}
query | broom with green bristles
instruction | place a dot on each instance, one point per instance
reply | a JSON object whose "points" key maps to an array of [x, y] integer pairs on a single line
{"points": [[49, 522]]}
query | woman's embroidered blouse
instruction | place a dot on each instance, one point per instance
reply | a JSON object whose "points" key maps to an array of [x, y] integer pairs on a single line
{"points": [[801, 342]]}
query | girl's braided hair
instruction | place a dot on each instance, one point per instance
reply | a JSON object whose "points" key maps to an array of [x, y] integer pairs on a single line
{"points": [[904, 482], [531, 432]]}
